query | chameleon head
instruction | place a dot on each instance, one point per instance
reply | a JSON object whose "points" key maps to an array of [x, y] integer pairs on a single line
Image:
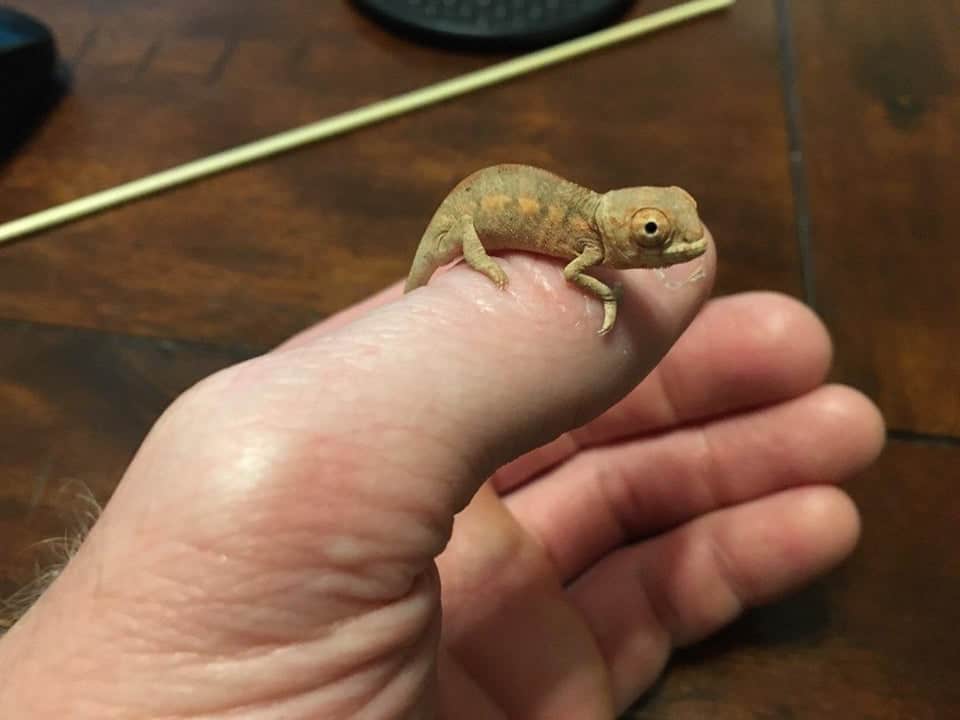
{"points": [[649, 227]]}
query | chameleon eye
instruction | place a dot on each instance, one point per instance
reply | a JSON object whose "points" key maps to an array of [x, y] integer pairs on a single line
{"points": [[650, 228]]}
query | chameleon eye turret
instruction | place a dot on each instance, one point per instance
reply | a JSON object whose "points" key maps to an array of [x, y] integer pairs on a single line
{"points": [[651, 228]]}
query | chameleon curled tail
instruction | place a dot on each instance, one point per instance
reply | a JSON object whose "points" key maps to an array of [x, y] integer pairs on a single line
{"points": [[423, 266]]}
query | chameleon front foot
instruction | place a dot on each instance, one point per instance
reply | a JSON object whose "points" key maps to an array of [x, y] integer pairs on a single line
{"points": [[609, 316], [610, 303], [574, 272]]}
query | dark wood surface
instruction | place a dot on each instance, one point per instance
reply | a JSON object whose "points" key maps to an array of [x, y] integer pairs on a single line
{"points": [[880, 117], [821, 139]]}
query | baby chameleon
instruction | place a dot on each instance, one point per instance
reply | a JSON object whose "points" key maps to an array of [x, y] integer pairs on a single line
{"points": [[518, 207]]}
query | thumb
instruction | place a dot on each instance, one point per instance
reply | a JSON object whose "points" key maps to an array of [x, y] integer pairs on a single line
{"points": [[282, 496]]}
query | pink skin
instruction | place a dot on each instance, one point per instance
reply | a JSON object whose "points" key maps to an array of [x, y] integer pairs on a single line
{"points": [[274, 548]]}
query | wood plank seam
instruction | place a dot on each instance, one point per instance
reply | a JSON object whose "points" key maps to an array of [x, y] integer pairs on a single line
{"points": [[922, 438], [796, 160]]}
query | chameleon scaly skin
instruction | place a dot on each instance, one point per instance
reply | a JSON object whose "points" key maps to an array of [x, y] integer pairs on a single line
{"points": [[519, 207]]}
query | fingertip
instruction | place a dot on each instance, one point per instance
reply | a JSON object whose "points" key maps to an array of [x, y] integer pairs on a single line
{"points": [[783, 318], [829, 517], [539, 305], [789, 539], [782, 329], [848, 413]]}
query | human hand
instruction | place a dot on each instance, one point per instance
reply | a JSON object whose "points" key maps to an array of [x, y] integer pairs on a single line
{"points": [[279, 544]]}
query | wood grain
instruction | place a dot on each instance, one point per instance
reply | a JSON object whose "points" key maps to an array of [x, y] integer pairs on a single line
{"points": [[881, 102], [874, 640], [77, 404], [255, 255]]}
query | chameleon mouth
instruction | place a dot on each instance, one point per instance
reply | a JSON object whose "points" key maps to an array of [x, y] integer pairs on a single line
{"points": [[676, 254], [686, 250]]}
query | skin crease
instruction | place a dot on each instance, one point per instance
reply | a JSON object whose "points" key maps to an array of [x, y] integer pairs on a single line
{"points": [[285, 538]]}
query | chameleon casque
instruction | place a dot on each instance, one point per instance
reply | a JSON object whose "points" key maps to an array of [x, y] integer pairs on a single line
{"points": [[519, 207]]}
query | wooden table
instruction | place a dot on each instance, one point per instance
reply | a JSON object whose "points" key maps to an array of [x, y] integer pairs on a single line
{"points": [[821, 138]]}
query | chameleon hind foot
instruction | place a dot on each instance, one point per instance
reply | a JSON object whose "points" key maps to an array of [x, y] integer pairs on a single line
{"points": [[476, 256]]}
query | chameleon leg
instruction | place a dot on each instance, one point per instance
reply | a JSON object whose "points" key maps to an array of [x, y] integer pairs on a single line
{"points": [[574, 273], [476, 256]]}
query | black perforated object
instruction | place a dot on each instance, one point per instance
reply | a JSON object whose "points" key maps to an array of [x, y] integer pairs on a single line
{"points": [[494, 24]]}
